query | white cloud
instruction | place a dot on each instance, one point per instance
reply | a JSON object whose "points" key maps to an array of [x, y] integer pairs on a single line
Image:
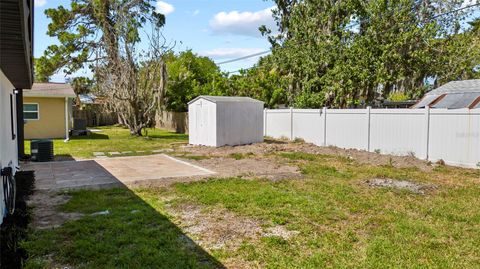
{"points": [[228, 53], [196, 12], [164, 8], [40, 3], [469, 3], [241, 23]]}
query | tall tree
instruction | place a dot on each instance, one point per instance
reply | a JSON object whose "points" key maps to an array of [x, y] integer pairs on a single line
{"points": [[42, 70], [81, 85], [262, 82], [104, 35], [189, 76], [351, 52]]}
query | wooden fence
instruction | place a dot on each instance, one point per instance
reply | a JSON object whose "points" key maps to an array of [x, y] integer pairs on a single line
{"points": [[95, 116], [172, 121]]}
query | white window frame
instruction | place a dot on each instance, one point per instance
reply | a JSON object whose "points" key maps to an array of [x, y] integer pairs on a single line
{"points": [[38, 111]]}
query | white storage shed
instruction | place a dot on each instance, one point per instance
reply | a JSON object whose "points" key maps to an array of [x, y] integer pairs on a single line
{"points": [[222, 120]]}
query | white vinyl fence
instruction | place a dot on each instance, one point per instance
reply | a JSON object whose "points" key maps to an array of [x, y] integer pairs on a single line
{"points": [[431, 134]]}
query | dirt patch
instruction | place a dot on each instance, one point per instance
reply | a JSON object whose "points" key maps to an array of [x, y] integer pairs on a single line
{"points": [[46, 214], [222, 229], [261, 149], [249, 167], [216, 229], [280, 231], [401, 185]]}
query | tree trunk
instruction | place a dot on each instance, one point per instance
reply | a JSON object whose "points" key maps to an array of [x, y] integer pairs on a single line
{"points": [[136, 131]]}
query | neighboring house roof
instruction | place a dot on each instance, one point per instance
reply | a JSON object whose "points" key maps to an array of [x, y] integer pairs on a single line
{"points": [[224, 99], [454, 94], [92, 99], [87, 98], [398, 104], [461, 86], [50, 89]]}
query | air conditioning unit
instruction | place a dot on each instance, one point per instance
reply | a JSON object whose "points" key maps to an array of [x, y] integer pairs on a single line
{"points": [[42, 150]]}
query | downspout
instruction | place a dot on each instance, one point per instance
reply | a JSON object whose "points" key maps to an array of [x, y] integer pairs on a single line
{"points": [[67, 136], [20, 124]]}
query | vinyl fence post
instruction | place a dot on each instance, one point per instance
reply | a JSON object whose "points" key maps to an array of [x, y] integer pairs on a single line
{"points": [[368, 127], [324, 111], [427, 131], [291, 123], [265, 122]]}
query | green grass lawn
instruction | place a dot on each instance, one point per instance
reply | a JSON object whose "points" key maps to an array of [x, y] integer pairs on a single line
{"points": [[342, 222], [114, 139], [136, 234]]}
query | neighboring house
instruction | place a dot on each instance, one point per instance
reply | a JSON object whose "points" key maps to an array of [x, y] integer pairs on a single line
{"points": [[47, 110], [16, 73], [397, 104], [86, 99], [453, 95], [91, 110]]}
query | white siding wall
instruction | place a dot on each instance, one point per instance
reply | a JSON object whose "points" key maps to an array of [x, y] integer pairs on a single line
{"points": [[450, 135], [8, 146], [239, 123]]}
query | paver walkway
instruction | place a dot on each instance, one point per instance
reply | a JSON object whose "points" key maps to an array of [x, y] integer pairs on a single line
{"points": [[109, 172]]}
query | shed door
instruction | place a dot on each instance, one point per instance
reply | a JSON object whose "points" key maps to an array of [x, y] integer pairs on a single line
{"points": [[201, 115]]}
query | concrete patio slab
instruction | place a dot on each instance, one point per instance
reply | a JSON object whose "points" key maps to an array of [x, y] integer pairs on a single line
{"points": [[110, 172]]}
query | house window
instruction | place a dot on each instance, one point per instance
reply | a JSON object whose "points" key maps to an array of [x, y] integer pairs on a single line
{"points": [[30, 112]]}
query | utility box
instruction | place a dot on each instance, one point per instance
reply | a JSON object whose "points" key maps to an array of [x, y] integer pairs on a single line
{"points": [[223, 120], [42, 150]]}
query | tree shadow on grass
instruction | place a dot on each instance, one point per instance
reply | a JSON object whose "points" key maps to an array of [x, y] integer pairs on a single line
{"points": [[119, 229], [91, 136], [63, 157]]}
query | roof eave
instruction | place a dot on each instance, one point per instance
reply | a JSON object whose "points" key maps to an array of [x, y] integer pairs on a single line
{"points": [[206, 97], [16, 41], [48, 95]]}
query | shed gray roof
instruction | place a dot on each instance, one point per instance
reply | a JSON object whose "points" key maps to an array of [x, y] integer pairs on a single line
{"points": [[224, 99], [453, 95], [50, 89]]}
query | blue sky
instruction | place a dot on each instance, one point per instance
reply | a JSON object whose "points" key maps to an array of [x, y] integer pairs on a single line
{"points": [[219, 29]]}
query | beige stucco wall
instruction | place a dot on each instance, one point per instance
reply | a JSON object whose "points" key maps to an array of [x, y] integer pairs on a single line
{"points": [[51, 123]]}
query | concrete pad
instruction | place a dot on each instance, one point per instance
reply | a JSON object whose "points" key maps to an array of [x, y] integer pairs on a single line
{"points": [[98, 154], [109, 172]]}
